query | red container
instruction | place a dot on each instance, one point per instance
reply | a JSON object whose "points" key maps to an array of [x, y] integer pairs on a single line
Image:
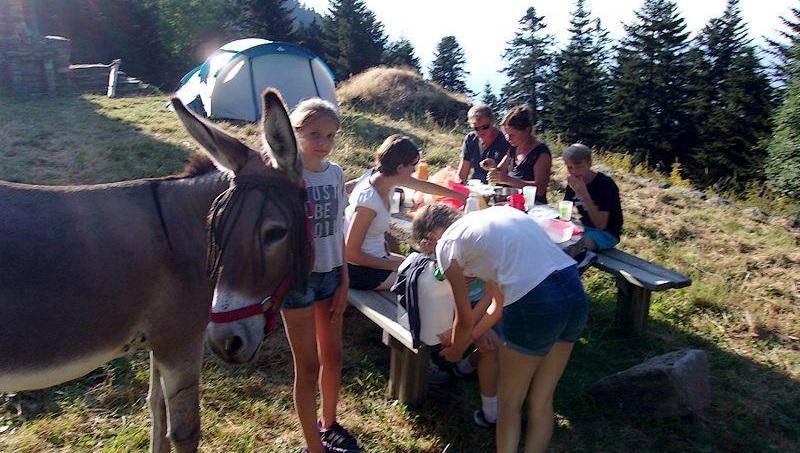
{"points": [[458, 204], [517, 200]]}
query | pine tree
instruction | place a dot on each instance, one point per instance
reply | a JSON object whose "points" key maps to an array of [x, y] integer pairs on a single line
{"points": [[731, 102], [354, 38], [311, 37], [104, 30], [268, 19], [447, 68], [578, 89], [782, 166], [489, 98], [401, 53], [529, 59], [783, 49], [649, 115], [190, 28]]}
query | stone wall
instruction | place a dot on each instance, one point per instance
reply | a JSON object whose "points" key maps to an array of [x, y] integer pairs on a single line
{"points": [[34, 65], [30, 64]]}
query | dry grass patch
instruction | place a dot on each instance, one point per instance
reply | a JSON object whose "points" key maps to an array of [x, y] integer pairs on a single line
{"points": [[402, 93]]}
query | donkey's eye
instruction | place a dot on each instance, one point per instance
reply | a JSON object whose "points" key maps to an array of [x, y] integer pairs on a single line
{"points": [[274, 234]]}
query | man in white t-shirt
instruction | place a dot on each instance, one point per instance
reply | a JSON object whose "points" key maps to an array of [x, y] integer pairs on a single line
{"points": [[539, 307]]}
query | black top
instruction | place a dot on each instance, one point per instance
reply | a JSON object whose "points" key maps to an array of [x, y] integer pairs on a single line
{"points": [[471, 151], [524, 170], [605, 195]]}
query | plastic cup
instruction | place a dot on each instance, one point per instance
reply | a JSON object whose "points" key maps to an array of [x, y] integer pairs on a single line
{"points": [[565, 210], [516, 201], [529, 192], [395, 206]]}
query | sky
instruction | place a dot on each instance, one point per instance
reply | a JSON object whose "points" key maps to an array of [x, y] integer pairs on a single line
{"points": [[483, 27]]}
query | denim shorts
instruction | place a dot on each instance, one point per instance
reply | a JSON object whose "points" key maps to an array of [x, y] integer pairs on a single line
{"points": [[555, 310], [321, 286], [602, 239]]}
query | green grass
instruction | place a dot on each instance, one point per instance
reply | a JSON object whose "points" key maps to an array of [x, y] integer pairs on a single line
{"points": [[743, 309]]}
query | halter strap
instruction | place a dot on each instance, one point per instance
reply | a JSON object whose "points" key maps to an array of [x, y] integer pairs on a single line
{"points": [[270, 305], [154, 191]]}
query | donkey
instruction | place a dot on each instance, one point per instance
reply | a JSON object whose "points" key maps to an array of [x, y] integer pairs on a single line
{"points": [[89, 273]]}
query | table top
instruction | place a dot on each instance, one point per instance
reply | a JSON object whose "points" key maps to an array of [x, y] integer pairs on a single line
{"points": [[400, 223]]}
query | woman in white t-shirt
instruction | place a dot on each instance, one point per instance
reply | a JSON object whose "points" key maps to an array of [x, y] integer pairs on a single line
{"points": [[371, 265], [539, 307]]}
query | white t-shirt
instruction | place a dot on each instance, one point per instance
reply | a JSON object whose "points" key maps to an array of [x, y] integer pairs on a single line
{"points": [[328, 197], [503, 245], [365, 195]]}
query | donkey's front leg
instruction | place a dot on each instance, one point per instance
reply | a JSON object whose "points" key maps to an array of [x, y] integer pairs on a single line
{"points": [[159, 443], [180, 376]]}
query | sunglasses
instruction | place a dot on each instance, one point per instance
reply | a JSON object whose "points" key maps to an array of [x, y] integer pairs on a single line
{"points": [[481, 128]]}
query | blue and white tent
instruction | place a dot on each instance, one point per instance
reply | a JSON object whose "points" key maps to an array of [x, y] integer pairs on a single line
{"points": [[230, 82]]}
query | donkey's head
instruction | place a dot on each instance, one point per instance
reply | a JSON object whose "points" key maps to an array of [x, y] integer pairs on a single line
{"points": [[258, 243]]}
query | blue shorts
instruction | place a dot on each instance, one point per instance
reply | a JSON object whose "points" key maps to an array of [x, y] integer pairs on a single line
{"points": [[321, 286], [603, 239], [475, 291], [555, 310]]}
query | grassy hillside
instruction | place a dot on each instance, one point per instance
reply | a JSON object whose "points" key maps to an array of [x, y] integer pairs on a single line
{"points": [[743, 309]]}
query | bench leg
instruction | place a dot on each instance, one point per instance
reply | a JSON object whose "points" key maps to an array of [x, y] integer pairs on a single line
{"points": [[633, 306], [408, 372], [395, 365]]}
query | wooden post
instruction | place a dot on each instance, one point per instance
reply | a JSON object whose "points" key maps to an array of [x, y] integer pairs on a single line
{"points": [[408, 372], [112, 78], [395, 365], [633, 307], [414, 376]]}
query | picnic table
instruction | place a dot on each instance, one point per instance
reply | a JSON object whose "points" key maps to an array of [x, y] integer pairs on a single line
{"points": [[636, 279]]}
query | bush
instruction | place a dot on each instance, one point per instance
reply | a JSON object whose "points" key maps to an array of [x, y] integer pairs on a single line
{"points": [[402, 93]]}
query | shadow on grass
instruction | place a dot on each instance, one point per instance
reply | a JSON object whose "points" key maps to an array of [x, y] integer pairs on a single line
{"points": [[67, 141], [754, 408]]}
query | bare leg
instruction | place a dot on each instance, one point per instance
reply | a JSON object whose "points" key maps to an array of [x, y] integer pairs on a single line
{"points": [[540, 397], [487, 373], [159, 443], [300, 331], [386, 284], [516, 374], [180, 380], [329, 344]]}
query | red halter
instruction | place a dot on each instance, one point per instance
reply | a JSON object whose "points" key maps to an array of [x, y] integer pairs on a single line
{"points": [[271, 304]]}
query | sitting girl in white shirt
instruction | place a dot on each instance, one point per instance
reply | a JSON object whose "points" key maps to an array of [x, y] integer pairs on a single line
{"points": [[371, 265]]}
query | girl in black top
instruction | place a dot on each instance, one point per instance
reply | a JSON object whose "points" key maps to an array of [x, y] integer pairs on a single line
{"points": [[528, 162]]}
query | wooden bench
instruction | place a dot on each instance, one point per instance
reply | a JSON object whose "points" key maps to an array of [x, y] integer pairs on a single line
{"points": [[408, 367], [636, 280]]}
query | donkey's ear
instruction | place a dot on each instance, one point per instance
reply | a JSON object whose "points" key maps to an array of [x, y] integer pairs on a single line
{"points": [[227, 153], [279, 136]]}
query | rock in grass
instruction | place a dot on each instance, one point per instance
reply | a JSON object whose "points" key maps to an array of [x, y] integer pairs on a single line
{"points": [[718, 201], [670, 385], [754, 213]]}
